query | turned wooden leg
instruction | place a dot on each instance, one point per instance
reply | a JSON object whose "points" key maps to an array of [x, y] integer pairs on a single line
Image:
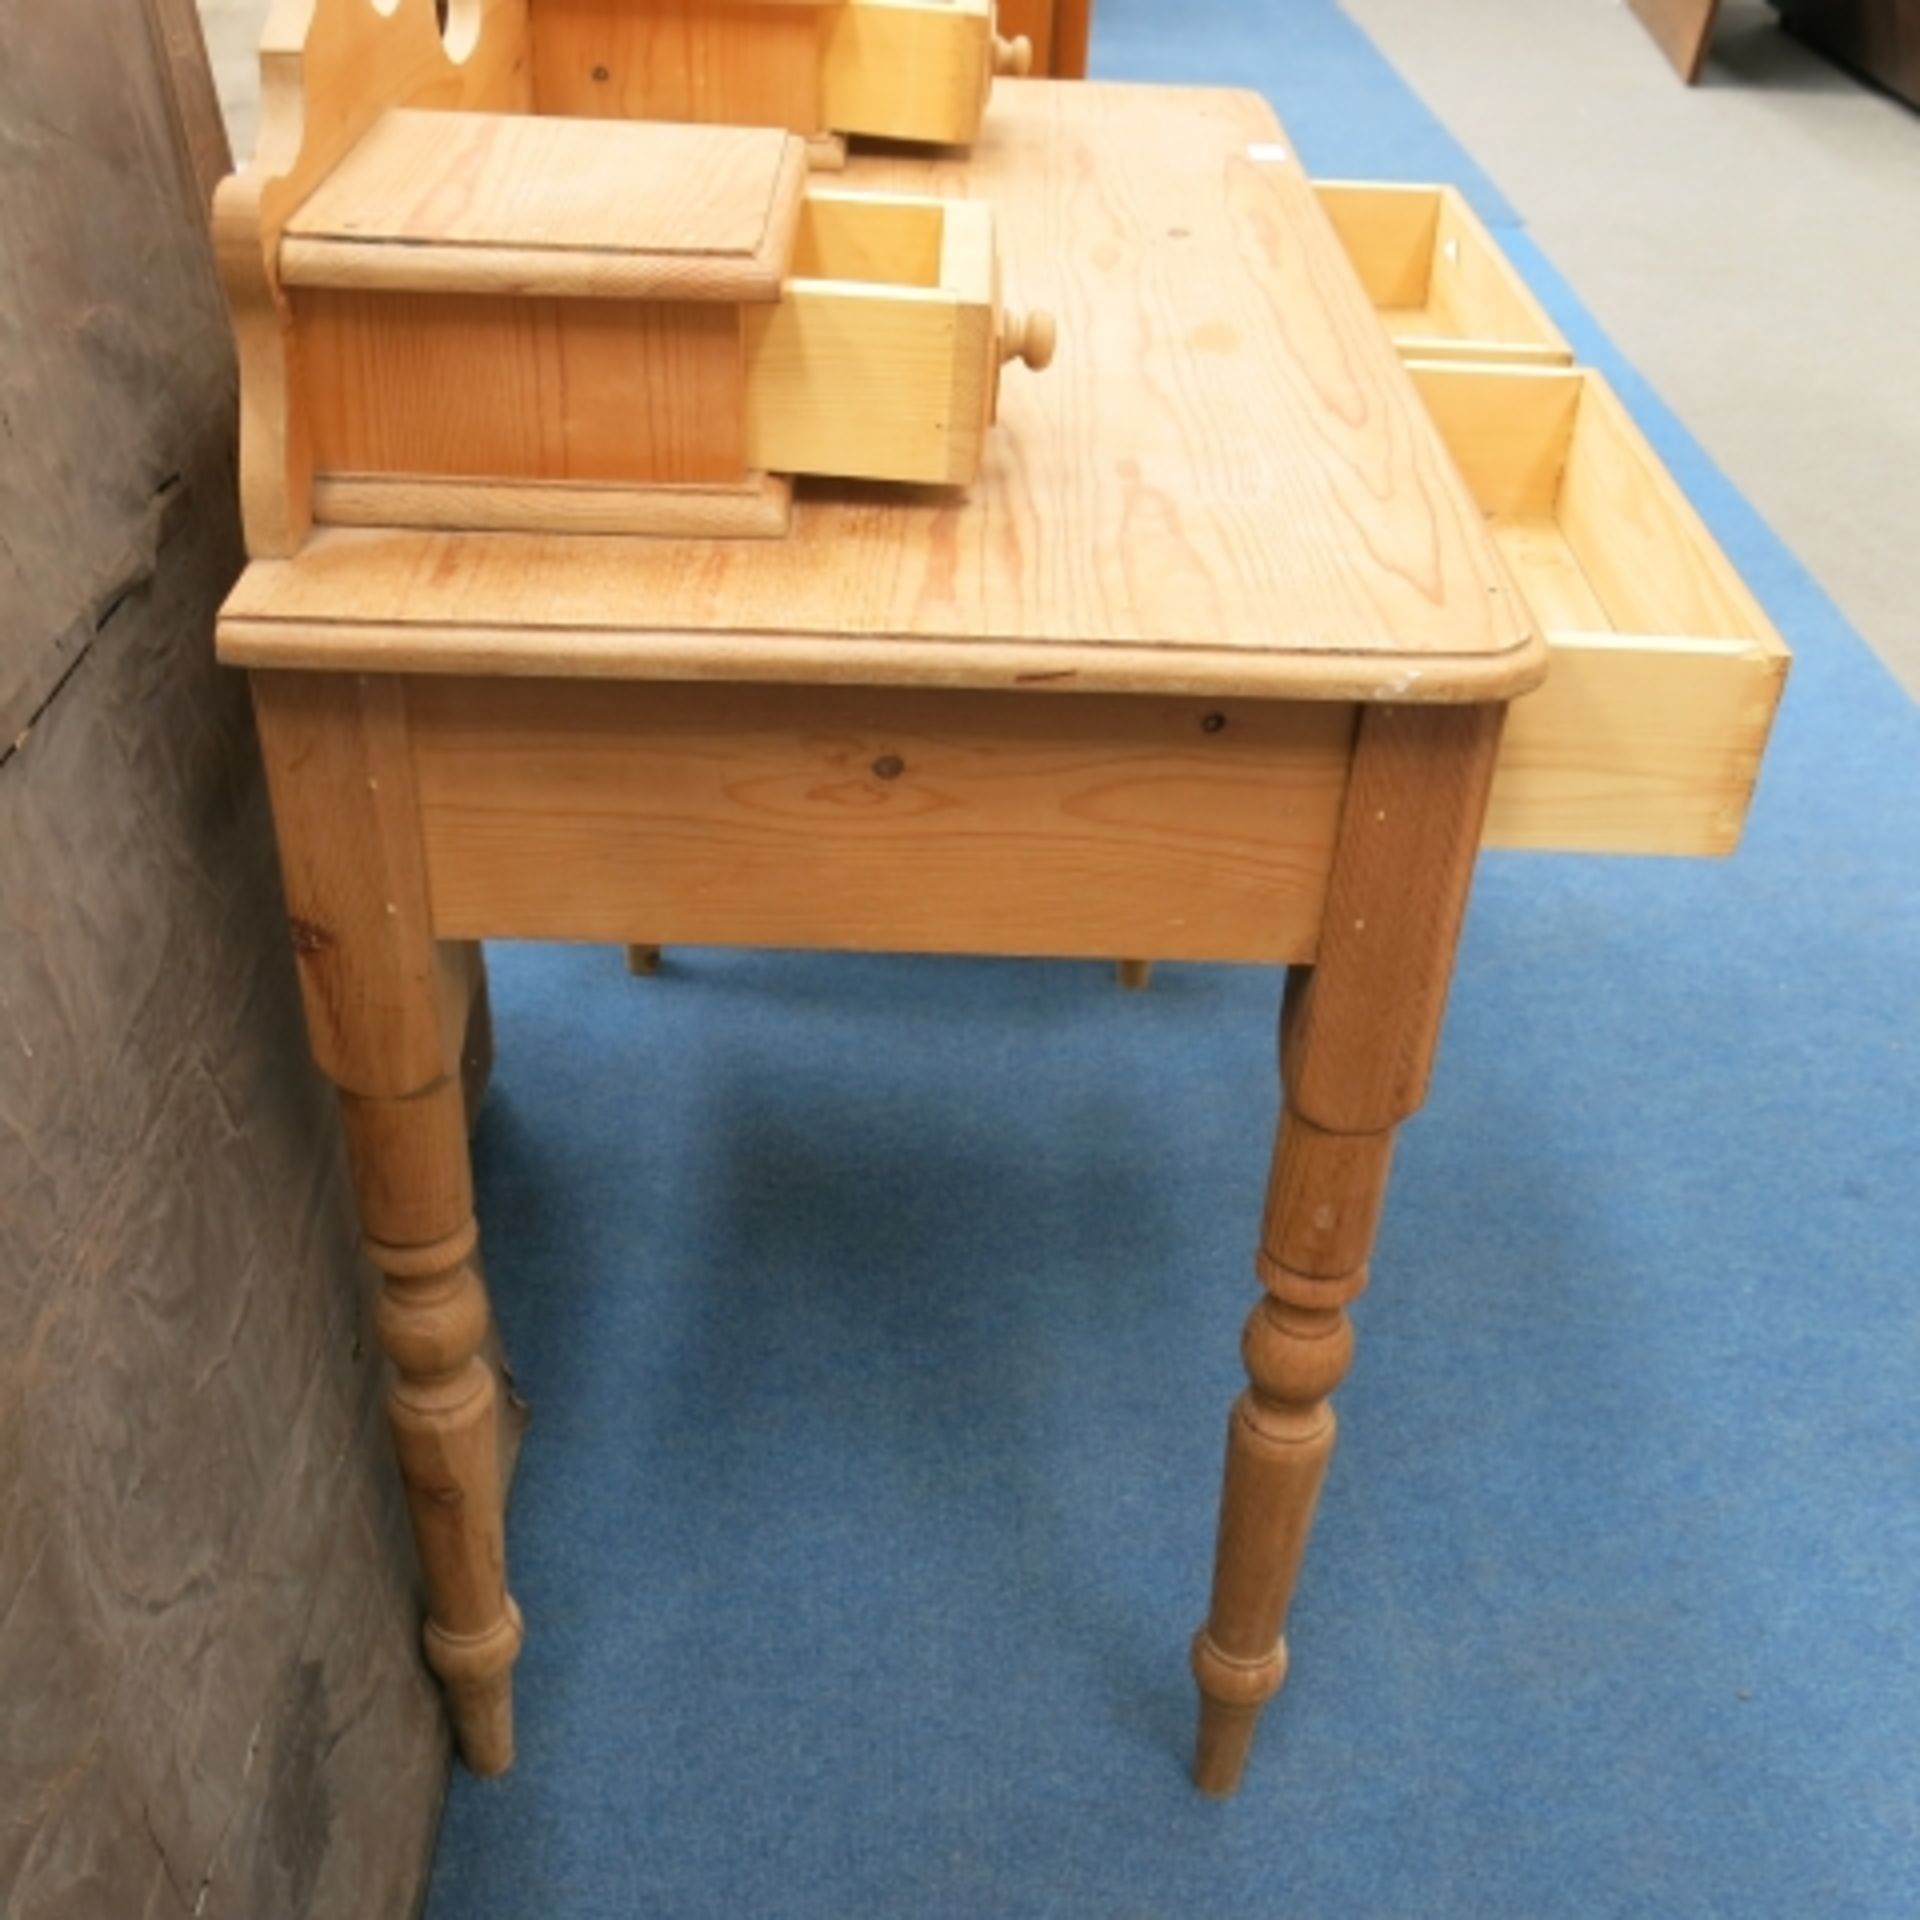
{"points": [[643, 960], [409, 1159], [393, 1018], [1357, 1039], [1135, 975]]}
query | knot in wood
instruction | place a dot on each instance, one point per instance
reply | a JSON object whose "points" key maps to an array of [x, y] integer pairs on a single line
{"points": [[471, 1659]]}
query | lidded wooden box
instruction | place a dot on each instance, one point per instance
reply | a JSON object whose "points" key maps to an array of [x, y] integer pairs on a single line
{"points": [[453, 312]]}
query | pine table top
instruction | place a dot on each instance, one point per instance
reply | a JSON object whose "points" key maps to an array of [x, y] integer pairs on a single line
{"points": [[1224, 484]]}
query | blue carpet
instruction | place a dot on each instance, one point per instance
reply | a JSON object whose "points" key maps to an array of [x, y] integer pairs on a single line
{"points": [[880, 1321]]}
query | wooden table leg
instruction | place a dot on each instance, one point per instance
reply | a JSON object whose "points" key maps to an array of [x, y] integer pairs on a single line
{"points": [[1357, 1042], [388, 1015]]}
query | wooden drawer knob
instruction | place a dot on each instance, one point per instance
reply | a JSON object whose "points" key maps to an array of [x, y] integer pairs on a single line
{"points": [[1028, 338], [1012, 57]]}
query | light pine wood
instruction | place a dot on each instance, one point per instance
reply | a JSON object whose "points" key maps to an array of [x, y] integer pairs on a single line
{"points": [[499, 203], [744, 63], [1681, 29], [445, 386], [878, 380], [1635, 746], [1072, 32], [387, 1012], [919, 362], [877, 819], [817, 742], [1357, 1045], [1012, 58], [889, 239], [883, 380], [907, 69], [757, 508], [1443, 287], [918, 70], [1649, 732], [1225, 483]]}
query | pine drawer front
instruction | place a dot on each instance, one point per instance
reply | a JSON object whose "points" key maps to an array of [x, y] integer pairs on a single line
{"points": [[1648, 733], [904, 69], [1443, 288], [880, 361], [907, 69]]}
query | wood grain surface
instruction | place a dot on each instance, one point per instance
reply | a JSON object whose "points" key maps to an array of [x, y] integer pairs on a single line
{"points": [[889, 819], [1224, 483], [448, 385], [732, 60], [500, 203], [1649, 732], [1442, 285]]}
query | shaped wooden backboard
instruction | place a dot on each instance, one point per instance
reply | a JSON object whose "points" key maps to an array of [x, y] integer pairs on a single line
{"points": [[328, 70]]}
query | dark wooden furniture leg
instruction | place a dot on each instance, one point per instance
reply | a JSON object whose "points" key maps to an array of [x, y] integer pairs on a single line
{"points": [[1357, 1041]]}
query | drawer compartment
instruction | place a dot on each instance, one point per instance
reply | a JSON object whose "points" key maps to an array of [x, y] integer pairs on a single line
{"points": [[879, 360], [1648, 733], [1443, 288], [904, 69], [516, 323]]}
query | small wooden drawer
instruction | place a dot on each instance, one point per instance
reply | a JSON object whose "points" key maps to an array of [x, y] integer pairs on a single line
{"points": [[1648, 733], [510, 322], [900, 69], [1444, 289]]}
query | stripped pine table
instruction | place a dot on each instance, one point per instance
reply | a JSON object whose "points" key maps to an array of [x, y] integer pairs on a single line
{"points": [[1213, 661]]}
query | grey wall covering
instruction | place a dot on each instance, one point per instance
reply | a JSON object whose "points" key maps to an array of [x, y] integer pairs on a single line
{"points": [[210, 1696]]}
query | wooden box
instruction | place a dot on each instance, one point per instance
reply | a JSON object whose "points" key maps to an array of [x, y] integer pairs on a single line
{"points": [[1648, 734], [1444, 289], [453, 312]]}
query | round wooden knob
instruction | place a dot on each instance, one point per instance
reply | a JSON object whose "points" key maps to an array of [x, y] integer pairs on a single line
{"points": [[1013, 57], [1028, 338]]}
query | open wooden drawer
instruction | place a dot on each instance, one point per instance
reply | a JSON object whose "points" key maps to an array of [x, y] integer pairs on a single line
{"points": [[1443, 288], [506, 322], [898, 69], [1648, 733]]}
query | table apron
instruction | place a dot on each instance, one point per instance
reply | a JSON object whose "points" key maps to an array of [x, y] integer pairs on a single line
{"points": [[884, 819]]}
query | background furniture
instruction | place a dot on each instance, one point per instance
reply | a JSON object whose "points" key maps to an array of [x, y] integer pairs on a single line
{"points": [[1879, 38], [1058, 31]]}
